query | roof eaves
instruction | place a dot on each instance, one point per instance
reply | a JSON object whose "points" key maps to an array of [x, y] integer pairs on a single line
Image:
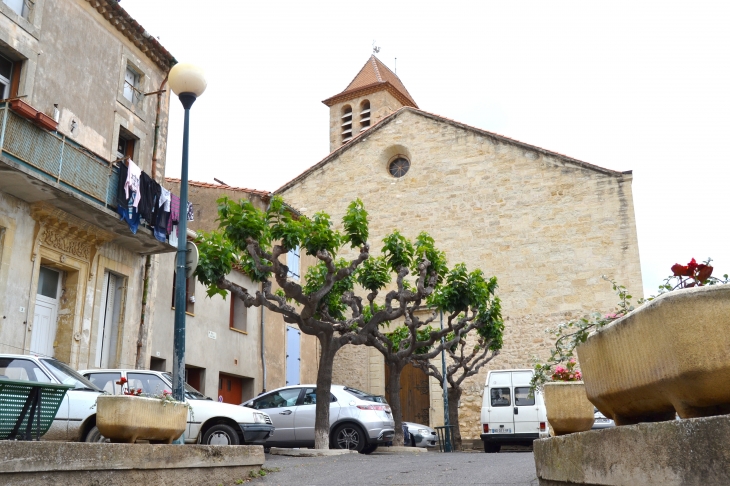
{"points": [[371, 88], [262, 194], [132, 30]]}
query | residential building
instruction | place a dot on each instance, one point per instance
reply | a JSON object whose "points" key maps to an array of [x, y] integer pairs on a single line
{"points": [[224, 339], [84, 80], [547, 225]]}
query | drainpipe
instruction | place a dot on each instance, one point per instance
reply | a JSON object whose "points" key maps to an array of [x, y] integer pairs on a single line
{"points": [[263, 329], [143, 330]]}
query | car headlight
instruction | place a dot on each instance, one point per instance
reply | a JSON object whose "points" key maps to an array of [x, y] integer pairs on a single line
{"points": [[259, 418]]}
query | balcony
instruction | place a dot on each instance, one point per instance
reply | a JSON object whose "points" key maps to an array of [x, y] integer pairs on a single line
{"points": [[38, 165]]}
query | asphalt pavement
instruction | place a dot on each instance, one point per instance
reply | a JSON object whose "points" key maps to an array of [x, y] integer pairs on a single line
{"points": [[431, 468]]}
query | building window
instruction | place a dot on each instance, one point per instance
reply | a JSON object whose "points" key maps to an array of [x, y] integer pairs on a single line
{"points": [[346, 123], [292, 261], [125, 144], [399, 166], [131, 85], [364, 115], [6, 77], [19, 7], [189, 293], [239, 315]]}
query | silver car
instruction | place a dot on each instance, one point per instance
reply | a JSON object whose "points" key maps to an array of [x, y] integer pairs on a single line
{"points": [[357, 420], [421, 435]]}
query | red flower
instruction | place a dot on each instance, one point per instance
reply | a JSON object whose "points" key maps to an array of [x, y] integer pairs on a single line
{"points": [[692, 265], [681, 270], [122, 381], [139, 391]]}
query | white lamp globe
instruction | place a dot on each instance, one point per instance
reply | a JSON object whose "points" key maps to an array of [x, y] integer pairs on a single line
{"points": [[187, 78]]}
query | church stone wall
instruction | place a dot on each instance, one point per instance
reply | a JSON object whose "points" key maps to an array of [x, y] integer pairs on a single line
{"points": [[548, 228]]}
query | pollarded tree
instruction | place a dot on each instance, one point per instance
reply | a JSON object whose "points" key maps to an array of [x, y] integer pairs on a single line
{"points": [[467, 354], [462, 294], [326, 305]]}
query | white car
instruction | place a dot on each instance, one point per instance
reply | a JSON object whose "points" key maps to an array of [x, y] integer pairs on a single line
{"points": [[209, 422], [75, 416], [421, 435]]}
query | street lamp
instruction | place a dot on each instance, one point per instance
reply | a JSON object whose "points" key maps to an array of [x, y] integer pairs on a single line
{"points": [[187, 82]]}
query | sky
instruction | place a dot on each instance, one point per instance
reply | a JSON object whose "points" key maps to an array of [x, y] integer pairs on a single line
{"points": [[642, 86]]}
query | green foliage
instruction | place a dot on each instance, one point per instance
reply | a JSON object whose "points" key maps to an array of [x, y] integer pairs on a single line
{"points": [[426, 248], [373, 274], [332, 301], [463, 290], [492, 324], [284, 228], [398, 251], [217, 256], [318, 235], [242, 220], [355, 222], [400, 338]]}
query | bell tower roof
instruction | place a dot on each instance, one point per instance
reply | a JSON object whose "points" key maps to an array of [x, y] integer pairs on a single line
{"points": [[374, 76]]}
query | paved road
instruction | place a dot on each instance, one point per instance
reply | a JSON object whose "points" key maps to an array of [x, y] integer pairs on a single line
{"points": [[432, 468]]}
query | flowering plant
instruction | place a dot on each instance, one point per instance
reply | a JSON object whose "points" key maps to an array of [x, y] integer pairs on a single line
{"points": [[570, 334], [128, 391], [567, 374]]}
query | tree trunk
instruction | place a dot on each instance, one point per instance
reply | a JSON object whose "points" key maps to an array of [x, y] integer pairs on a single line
{"points": [[454, 395], [324, 385], [393, 389]]}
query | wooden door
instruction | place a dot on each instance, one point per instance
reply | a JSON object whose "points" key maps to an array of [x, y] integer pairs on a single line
{"points": [[414, 395], [230, 389]]}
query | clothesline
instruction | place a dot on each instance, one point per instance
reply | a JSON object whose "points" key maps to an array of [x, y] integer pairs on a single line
{"points": [[139, 197]]}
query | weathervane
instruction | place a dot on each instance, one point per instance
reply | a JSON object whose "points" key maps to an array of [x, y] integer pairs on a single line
{"points": [[376, 49]]}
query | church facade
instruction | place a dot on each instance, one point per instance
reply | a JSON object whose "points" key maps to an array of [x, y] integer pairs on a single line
{"points": [[547, 225]]}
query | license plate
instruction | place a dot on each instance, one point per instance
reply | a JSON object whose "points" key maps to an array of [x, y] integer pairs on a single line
{"points": [[501, 431], [603, 421]]}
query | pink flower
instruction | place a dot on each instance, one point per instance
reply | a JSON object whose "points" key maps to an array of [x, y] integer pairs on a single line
{"points": [[560, 369], [572, 361]]}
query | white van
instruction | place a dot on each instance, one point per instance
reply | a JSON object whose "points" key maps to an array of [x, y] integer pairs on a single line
{"points": [[510, 416]]}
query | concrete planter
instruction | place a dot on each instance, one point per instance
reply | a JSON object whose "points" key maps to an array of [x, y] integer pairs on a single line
{"points": [[568, 408], [124, 418], [668, 355]]}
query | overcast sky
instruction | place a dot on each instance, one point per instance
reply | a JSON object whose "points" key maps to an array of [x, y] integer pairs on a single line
{"points": [[623, 85]]}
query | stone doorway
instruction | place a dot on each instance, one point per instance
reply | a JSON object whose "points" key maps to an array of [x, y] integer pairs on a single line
{"points": [[414, 395]]}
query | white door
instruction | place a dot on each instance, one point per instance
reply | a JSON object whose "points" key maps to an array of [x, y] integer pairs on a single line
{"points": [[526, 409], [45, 314], [108, 327], [501, 411]]}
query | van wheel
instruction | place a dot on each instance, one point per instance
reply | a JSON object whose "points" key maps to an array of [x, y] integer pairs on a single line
{"points": [[491, 448]]}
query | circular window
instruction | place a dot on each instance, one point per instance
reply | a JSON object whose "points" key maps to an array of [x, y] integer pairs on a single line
{"points": [[399, 166]]}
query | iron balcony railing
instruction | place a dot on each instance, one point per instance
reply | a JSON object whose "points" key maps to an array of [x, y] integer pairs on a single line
{"points": [[55, 157]]}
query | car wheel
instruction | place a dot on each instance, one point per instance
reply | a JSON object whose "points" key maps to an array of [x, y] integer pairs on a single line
{"points": [[349, 436], [370, 448], [93, 435], [491, 448], [221, 434]]}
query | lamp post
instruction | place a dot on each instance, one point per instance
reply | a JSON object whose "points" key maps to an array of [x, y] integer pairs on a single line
{"points": [[444, 384], [187, 82]]}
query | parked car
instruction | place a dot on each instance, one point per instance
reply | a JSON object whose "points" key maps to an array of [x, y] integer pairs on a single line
{"points": [[358, 421], [75, 416], [421, 435], [601, 421], [510, 414], [209, 422]]}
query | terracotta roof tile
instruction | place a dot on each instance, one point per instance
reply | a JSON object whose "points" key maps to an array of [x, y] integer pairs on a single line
{"points": [[263, 194], [375, 73]]}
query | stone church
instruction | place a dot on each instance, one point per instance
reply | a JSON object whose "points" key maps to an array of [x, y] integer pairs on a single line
{"points": [[547, 225]]}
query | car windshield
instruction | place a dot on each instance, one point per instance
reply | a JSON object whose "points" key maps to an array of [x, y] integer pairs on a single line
{"points": [[190, 392], [365, 396], [22, 369], [68, 376]]}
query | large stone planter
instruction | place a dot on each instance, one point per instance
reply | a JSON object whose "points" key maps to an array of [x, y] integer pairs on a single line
{"points": [[672, 354], [124, 418], [568, 408]]}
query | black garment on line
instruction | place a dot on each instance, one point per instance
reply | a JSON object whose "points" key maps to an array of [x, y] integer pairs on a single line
{"points": [[149, 195], [121, 196]]}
